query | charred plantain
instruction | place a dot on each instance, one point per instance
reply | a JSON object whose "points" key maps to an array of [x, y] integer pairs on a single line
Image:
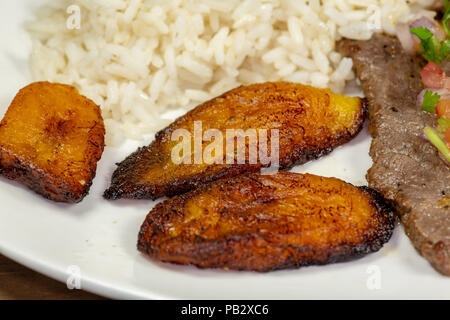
{"points": [[267, 222], [310, 122], [51, 138]]}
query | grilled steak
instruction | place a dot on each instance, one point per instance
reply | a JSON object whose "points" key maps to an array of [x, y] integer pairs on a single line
{"points": [[407, 170]]}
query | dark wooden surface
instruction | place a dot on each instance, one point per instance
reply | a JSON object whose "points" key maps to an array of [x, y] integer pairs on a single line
{"points": [[19, 282]]}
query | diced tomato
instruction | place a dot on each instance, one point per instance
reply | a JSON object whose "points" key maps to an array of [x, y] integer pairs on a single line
{"points": [[433, 76], [443, 108], [447, 137]]}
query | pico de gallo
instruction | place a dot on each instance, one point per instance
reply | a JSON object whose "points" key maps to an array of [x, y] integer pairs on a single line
{"points": [[432, 40]]}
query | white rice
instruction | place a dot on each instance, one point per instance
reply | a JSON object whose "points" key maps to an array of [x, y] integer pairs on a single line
{"points": [[138, 59]]}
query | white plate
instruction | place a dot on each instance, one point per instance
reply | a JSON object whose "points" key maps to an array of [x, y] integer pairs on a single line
{"points": [[99, 236]]}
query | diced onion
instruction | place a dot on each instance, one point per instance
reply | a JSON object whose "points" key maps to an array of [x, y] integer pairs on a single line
{"points": [[430, 25], [406, 37]]}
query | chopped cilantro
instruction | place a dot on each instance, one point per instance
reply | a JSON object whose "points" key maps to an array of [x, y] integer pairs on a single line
{"points": [[430, 100], [430, 46], [422, 33], [445, 48], [446, 20], [443, 125]]}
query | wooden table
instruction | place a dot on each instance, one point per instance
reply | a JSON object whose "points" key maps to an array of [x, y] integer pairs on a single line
{"points": [[18, 282]]}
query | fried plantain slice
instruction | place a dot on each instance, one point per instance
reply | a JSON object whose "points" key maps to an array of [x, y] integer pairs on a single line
{"points": [[310, 122], [267, 222], [51, 138]]}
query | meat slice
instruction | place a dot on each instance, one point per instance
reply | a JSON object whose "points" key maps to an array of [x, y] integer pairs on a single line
{"points": [[406, 169]]}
